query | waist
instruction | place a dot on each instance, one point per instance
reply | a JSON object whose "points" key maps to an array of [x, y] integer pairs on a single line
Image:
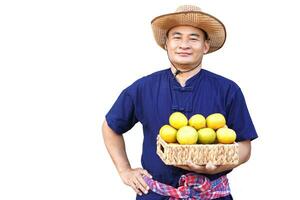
{"points": [[193, 187]]}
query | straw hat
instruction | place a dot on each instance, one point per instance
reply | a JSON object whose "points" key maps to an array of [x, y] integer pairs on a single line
{"points": [[193, 16]]}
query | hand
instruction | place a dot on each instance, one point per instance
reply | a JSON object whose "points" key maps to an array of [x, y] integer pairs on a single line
{"points": [[134, 179], [209, 168]]}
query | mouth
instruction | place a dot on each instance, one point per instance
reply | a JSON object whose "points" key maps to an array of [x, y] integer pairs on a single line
{"points": [[184, 54]]}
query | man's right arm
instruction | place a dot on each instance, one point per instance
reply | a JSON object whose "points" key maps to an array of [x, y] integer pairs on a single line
{"points": [[115, 146]]}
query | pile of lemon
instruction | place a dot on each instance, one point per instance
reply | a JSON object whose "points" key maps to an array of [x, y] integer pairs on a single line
{"points": [[197, 130]]}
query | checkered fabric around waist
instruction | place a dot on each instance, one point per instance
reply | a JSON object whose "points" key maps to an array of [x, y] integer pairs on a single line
{"points": [[192, 187]]}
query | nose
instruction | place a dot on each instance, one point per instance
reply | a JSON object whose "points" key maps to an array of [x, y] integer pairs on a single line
{"points": [[184, 44]]}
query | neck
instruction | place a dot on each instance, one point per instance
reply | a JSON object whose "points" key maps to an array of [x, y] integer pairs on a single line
{"points": [[183, 77], [184, 71]]}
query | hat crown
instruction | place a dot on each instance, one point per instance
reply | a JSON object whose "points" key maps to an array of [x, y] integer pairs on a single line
{"points": [[188, 8]]}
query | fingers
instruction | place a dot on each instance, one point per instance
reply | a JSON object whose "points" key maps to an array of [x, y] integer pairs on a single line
{"points": [[198, 168], [137, 182], [210, 166], [141, 185], [194, 167], [186, 167], [145, 172], [142, 181], [134, 187]]}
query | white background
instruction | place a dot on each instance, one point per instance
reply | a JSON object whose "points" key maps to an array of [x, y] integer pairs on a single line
{"points": [[63, 64]]}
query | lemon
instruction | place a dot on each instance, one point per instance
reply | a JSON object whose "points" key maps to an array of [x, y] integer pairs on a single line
{"points": [[187, 135], [168, 133], [226, 135], [207, 136], [197, 121], [178, 120], [215, 121]]}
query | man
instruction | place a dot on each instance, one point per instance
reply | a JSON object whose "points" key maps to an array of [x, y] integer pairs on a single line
{"points": [[186, 35]]}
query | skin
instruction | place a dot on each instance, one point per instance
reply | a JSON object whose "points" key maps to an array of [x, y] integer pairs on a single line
{"points": [[115, 146], [186, 46]]}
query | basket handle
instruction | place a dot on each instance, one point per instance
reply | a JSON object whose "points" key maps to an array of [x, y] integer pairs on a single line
{"points": [[160, 147]]}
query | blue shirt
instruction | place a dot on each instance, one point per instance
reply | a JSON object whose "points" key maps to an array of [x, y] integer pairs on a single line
{"points": [[153, 98]]}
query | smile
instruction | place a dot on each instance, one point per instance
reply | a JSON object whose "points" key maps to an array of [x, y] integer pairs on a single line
{"points": [[184, 54]]}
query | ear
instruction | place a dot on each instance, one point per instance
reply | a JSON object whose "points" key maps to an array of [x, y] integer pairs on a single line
{"points": [[166, 40], [206, 46]]}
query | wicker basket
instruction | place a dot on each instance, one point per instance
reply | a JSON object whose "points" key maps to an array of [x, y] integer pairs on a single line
{"points": [[200, 154]]}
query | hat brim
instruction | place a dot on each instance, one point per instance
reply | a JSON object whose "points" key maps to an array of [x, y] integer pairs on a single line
{"points": [[214, 28]]}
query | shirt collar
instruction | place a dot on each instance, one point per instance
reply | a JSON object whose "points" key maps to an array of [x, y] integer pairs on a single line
{"points": [[189, 82]]}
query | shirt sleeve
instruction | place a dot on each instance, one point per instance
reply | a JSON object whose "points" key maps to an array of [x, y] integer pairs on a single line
{"points": [[238, 118], [121, 117]]}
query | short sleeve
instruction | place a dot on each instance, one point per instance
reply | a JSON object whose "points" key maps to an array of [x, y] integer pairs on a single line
{"points": [[121, 117], [238, 118]]}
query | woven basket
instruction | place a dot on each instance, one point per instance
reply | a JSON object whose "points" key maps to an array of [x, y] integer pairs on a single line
{"points": [[200, 154]]}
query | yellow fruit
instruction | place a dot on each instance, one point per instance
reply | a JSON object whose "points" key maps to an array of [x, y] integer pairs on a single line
{"points": [[187, 135], [197, 121], [226, 135], [207, 136], [215, 121], [178, 120], [168, 133]]}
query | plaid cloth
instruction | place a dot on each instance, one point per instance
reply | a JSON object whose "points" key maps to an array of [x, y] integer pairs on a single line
{"points": [[192, 187]]}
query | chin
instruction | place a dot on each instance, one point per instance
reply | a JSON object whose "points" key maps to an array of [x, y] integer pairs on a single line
{"points": [[182, 62]]}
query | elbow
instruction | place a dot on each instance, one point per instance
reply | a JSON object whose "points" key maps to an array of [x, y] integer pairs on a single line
{"points": [[105, 128], [247, 157]]}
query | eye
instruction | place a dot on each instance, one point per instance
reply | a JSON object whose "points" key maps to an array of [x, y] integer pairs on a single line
{"points": [[176, 37]]}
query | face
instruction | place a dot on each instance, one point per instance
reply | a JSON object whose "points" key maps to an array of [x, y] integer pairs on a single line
{"points": [[186, 46]]}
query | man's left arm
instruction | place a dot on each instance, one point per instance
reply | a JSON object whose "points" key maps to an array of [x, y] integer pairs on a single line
{"points": [[244, 155]]}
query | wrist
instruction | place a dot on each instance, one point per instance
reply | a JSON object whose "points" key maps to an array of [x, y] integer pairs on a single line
{"points": [[124, 169]]}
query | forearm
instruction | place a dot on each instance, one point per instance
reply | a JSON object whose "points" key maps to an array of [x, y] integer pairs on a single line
{"points": [[244, 151], [115, 146]]}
